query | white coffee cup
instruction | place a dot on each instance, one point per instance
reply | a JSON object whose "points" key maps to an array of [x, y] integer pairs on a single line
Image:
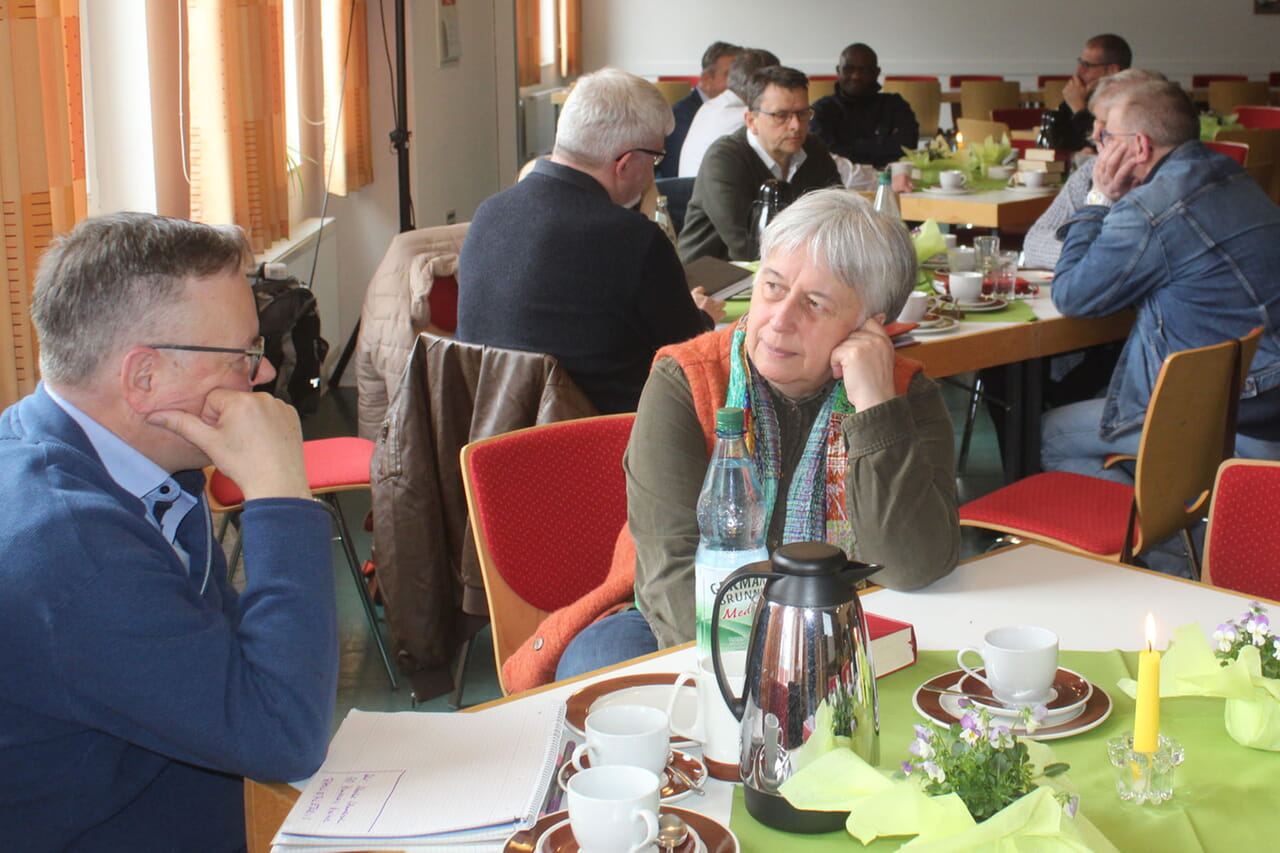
{"points": [[966, 287], [999, 172], [950, 240], [716, 728], [614, 809], [916, 307], [1034, 179], [632, 735], [951, 179], [1020, 662], [962, 259]]}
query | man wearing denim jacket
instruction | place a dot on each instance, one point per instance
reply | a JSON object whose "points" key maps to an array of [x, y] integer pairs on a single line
{"points": [[1187, 238]]}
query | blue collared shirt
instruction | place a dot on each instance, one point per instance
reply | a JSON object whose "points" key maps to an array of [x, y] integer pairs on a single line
{"points": [[135, 473]]}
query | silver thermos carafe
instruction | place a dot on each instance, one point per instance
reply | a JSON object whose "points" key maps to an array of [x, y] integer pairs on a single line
{"points": [[808, 649]]}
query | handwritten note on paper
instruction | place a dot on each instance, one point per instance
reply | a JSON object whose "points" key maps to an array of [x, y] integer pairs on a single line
{"points": [[346, 803]]}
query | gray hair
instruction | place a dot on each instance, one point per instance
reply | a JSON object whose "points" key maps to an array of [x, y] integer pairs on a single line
{"points": [[113, 280], [1109, 88], [774, 75], [608, 113], [744, 65], [870, 253], [1162, 110], [716, 51]]}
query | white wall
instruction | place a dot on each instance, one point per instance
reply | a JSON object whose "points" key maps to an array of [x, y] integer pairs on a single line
{"points": [[1017, 38], [462, 117]]}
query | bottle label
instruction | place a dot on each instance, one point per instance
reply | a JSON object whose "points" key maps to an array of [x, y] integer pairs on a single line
{"points": [[737, 610]]}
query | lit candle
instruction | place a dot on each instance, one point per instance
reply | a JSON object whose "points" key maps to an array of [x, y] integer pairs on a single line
{"points": [[1146, 718], [959, 141]]}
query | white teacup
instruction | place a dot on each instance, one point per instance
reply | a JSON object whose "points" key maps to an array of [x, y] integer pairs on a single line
{"points": [[966, 287], [951, 179], [1021, 663], [613, 809], [1000, 172], [916, 307], [962, 259], [716, 728], [632, 735], [950, 240], [1034, 179]]}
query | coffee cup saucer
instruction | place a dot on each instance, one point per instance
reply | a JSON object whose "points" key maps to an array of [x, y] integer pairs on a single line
{"points": [[946, 709], [552, 834], [1068, 693], [674, 788]]}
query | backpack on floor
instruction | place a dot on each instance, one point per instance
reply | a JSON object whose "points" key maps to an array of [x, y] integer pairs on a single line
{"points": [[290, 327]]}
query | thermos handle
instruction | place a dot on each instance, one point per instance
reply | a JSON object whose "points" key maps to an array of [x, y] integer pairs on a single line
{"points": [[737, 704]]}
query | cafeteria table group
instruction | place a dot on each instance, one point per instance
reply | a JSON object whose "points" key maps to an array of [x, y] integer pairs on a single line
{"points": [[1224, 798]]}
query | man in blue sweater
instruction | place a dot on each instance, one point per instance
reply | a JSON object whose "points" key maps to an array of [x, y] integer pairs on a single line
{"points": [[139, 686]]}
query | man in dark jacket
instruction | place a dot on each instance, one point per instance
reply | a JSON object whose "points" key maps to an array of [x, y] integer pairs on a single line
{"points": [[859, 121], [1102, 56], [716, 60], [560, 264]]}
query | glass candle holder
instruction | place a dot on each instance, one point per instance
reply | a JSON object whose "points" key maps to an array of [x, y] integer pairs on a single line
{"points": [[1144, 777]]}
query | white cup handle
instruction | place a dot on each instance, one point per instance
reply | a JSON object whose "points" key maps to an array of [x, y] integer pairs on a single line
{"points": [[681, 680], [968, 669], [650, 821], [578, 752]]}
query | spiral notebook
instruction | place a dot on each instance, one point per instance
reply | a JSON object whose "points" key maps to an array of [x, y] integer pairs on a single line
{"points": [[423, 778]]}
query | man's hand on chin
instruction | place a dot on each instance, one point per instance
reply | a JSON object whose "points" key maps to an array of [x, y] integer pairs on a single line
{"points": [[253, 438]]}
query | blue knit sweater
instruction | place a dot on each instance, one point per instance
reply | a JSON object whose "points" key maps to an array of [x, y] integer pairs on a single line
{"points": [[131, 702]]}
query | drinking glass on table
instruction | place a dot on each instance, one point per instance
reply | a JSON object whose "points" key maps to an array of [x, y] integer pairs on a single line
{"points": [[987, 258], [1006, 275]]}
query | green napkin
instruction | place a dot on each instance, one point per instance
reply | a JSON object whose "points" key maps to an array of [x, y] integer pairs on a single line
{"points": [[988, 152], [1190, 668], [928, 241], [1210, 124]]}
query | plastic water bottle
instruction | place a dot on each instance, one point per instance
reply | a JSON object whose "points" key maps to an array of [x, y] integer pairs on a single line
{"points": [[886, 202], [732, 526]]}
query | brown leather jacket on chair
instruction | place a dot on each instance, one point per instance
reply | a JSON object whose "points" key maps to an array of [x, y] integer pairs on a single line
{"points": [[396, 310], [450, 394]]}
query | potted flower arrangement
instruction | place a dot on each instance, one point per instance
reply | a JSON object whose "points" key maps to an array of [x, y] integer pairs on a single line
{"points": [[980, 761], [1251, 629]]}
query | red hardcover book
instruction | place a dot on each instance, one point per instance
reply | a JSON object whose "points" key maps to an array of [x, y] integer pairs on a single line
{"points": [[893, 644]]}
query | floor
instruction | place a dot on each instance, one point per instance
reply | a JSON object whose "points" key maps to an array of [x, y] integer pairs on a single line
{"points": [[362, 680]]}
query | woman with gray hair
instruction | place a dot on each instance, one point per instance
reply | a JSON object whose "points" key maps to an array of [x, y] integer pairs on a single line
{"points": [[853, 439]]}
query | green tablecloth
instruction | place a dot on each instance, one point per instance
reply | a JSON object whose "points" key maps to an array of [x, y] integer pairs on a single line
{"points": [[1227, 796]]}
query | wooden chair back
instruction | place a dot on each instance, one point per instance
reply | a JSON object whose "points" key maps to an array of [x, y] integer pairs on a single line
{"points": [[977, 130], [1189, 429], [546, 506], [979, 97], [924, 97], [820, 89], [1263, 162], [1242, 542], [1226, 95], [1051, 90], [673, 90]]}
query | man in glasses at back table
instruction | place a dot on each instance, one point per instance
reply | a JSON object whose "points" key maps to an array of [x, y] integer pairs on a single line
{"points": [[1102, 56], [139, 686], [774, 145]]}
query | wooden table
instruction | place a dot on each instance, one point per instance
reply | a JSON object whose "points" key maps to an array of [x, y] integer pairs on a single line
{"points": [[989, 209], [1032, 583]]}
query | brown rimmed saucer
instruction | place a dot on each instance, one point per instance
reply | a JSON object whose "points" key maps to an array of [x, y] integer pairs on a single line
{"points": [[584, 701], [1071, 691], [715, 836], [945, 709], [674, 788]]}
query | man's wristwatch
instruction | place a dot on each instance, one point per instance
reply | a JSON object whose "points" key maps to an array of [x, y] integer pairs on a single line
{"points": [[1099, 198]]}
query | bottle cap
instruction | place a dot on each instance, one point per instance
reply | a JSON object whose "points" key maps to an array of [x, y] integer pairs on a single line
{"points": [[883, 177], [729, 420]]}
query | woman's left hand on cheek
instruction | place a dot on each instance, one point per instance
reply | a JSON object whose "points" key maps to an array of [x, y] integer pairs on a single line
{"points": [[864, 360]]}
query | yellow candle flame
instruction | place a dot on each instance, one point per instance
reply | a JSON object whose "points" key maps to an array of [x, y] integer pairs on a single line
{"points": [[1151, 631], [959, 140]]}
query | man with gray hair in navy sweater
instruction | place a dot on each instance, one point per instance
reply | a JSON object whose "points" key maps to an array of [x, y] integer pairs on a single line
{"points": [[560, 263], [139, 686]]}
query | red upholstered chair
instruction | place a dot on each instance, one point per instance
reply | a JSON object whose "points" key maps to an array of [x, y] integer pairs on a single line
{"points": [[334, 465], [955, 80], [546, 506], [1237, 151], [1265, 118], [1189, 430], [1242, 543], [910, 78], [1020, 118], [1201, 81], [691, 80]]}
